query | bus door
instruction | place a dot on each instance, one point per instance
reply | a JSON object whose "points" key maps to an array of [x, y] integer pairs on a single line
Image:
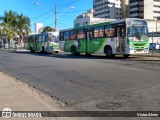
{"points": [[89, 36], [36, 42], [120, 43]]}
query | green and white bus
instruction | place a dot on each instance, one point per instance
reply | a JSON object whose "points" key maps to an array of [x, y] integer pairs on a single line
{"points": [[43, 42], [125, 36]]}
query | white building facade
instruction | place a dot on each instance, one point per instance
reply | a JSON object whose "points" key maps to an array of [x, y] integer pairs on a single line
{"points": [[38, 27], [107, 9], [88, 19], [145, 9]]}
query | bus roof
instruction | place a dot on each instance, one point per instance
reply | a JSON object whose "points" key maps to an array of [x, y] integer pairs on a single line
{"points": [[47, 33], [103, 23]]}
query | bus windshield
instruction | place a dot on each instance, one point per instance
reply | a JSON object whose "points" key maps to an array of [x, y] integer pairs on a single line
{"points": [[137, 28], [53, 39]]}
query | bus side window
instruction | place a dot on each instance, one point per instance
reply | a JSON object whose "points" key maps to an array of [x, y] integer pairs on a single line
{"points": [[46, 38], [66, 35], [123, 32], [43, 38], [109, 31], [98, 32], [73, 35], [80, 34], [61, 37]]}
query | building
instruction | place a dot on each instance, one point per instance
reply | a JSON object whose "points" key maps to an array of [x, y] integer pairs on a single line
{"points": [[145, 9], [153, 25], [88, 19], [125, 8], [107, 9], [38, 27]]}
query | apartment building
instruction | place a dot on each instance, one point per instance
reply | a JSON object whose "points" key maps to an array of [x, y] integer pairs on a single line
{"points": [[88, 19], [145, 9], [107, 9], [125, 8]]}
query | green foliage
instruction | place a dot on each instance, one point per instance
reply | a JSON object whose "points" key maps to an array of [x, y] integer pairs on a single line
{"points": [[48, 29], [12, 24]]}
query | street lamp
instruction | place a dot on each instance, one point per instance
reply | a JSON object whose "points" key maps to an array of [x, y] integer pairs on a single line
{"points": [[56, 17], [38, 4]]}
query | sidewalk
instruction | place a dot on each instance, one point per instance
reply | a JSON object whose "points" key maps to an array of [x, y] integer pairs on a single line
{"points": [[148, 55], [19, 96]]}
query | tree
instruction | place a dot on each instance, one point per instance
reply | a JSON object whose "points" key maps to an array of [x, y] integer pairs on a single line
{"points": [[22, 26], [48, 29], [14, 24], [7, 25]]}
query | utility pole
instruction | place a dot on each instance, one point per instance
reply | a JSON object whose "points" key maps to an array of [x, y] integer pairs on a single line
{"points": [[55, 17]]}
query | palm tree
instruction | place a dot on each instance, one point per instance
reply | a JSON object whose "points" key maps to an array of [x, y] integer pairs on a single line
{"points": [[48, 29], [7, 25], [22, 26]]}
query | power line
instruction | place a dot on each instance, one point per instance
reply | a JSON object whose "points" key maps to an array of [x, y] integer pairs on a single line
{"points": [[46, 13], [67, 4], [40, 15]]}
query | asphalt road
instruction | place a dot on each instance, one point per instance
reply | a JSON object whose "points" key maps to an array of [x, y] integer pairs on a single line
{"points": [[84, 81]]}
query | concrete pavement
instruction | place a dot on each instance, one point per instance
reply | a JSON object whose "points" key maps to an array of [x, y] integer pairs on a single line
{"points": [[19, 96]]}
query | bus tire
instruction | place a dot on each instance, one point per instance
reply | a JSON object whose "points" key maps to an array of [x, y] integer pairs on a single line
{"points": [[43, 50], [74, 51], [108, 51], [126, 55], [31, 50]]}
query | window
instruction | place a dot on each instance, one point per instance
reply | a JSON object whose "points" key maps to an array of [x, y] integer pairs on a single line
{"points": [[85, 23], [31, 39], [66, 35], [80, 34], [109, 31], [98, 32], [132, 1], [43, 38], [156, 11], [46, 38], [72, 35], [134, 12], [61, 36]]}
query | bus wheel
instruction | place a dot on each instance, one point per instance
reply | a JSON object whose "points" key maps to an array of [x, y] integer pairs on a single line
{"points": [[126, 55], [108, 52], [43, 50], [31, 50], [56, 51], [73, 51]]}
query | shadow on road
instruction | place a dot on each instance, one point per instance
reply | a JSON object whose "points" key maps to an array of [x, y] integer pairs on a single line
{"points": [[69, 56], [83, 56]]}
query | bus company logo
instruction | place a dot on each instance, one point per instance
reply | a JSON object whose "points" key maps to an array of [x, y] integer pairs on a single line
{"points": [[6, 113]]}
